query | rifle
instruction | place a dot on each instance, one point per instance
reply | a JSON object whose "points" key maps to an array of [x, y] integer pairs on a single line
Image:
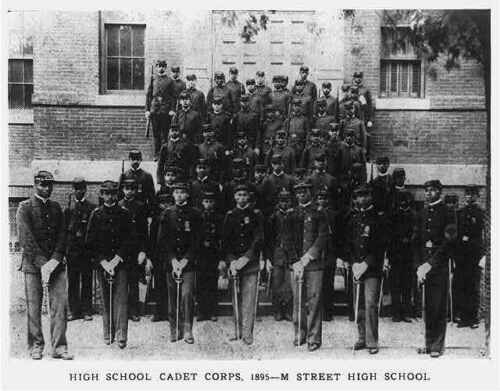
{"points": [[371, 171], [148, 122]]}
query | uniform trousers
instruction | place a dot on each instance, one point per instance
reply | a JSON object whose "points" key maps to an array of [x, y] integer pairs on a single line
{"points": [[119, 317], [466, 283], [436, 309], [133, 275], [311, 311], [186, 303], [328, 287], [57, 310], [400, 283], [206, 290], [79, 283], [246, 303], [160, 295], [160, 124], [369, 291]]}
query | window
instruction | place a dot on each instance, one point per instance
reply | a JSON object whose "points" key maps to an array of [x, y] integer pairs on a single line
{"points": [[400, 66], [124, 57], [20, 77]]}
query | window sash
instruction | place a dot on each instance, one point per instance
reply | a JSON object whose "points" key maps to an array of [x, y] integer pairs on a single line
{"points": [[20, 88], [400, 78]]}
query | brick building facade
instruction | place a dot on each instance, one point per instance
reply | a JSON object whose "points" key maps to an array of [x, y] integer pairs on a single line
{"points": [[428, 120]]}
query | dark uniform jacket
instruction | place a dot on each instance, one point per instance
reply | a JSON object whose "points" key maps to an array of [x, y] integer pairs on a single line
{"points": [[364, 236], [382, 193], [139, 215], [221, 123], [145, 185], [236, 89], [256, 105], [211, 242], [311, 235], [287, 156], [281, 240], [248, 122], [311, 90], [367, 108], [198, 102], [179, 86], [281, 99], [322, 180], [161, 96], [435, 221], [323, 121], [77, 217], [42, 233], [470, 232], [335, 230], [200, 185], [243, 236], [359, 131], [298, 127], [265, 93], [310, 153], [403, 231], [225, 94], [272, 186], [332, 106], [189, 123], [333, 157], [306, 103], [214, 152], [110, 232], [179, 152], [269, 129], [179, 235], [350, 154]]}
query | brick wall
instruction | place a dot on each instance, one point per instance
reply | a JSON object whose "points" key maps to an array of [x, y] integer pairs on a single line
{"points": [[21, 144]]}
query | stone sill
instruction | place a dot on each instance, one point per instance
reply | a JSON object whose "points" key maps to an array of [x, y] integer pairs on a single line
{"points": [[402, 104], [121, 99], [21, 116]]}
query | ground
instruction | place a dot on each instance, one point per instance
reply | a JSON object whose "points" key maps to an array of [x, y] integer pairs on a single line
{"points": [[273, 340]]}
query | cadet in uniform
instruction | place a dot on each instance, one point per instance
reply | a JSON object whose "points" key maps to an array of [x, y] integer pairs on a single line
{"points": [[280, 98], [255, 101], [213, 152], [179, 84], [242, 241], [436, 233], [272, 123], [332, 102], [242, 150], [323, 119], [236, 89], [349, 155], [280, 250], [178, 243], [306, 101], [365, 237], [188, 120], [77, 254], [203, 183], [261, 89], [321, 180], [144, 180], [41, 232], [281, 147], [310, 88], [109, 236], [220, 122], [248, 122], [139, 243], [275, 182], [311, 234], [365, 98], [197, 97], [470, 249], [315, 148], [400, 252], [334, 149], [297, 127], [210, 256], [160, 104], [221, 91]]}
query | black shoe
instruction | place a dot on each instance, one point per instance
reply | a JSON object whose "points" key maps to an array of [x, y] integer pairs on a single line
{"points": [[71, 317], [373, 350], [327, 317], [396, 319], [296, 342], [213, 318], [474, 325], [436, 354], [288, 317], [247, 340], [201, 318], [135, 318], [278, 316], [360, 345], [463, 324], [405, 319], [122, 344], [36, 354], [423, 351], [351, 318], [87, 317], [63, 356], [313, 346], [156, 318]]}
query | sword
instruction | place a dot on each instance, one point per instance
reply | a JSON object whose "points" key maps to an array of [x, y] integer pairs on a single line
{"points": [[356, 288], [235, 306], [300, 281], [178, 282], [110, 328], [257, 296], [450, 289], [381, 294]]}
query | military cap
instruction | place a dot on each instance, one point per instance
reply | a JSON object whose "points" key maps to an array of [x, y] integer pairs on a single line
{"points": [[237, 162], [202, 162], [405, 197], [250, 82], [218, 99], [472, 190], [218, 75], [244, 98], [276, 158], [241, 135], [276, 79], [233, 70], [363, 190], [109, 186], [302, 185], [164, 197], [43, 176], [321, 102], [284, 194], [304, 68], [315, 132], [299, 82], [354, 89], [269, 108], [358, 74], [349, 132], [296, 102], [451, 199], [191, 77], [241, 187], [435, 183], [206, 128], [180, 185], [357, 167], [79, 183], [260, 73], [161, 63], [326, 84], [260, 167], [175, 69], [300, 171], [135, 154], [281, 133], [173, 169], [320, 158], [322, 192], [208, 195], [398, 172], [334, 125], [129, 182], [382, 160], [184, 95], [345, 87]]}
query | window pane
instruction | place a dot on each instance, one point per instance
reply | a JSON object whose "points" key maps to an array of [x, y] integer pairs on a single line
{"points": [[404, 78], [16, 98], [28, 91], [125, 41], [394, 77], [415, 88], [383, 77], [113, 32], [16, 71], [138, 74], [125, 74], [112, 74], [15, 43], [138, 41], [28, 71]]}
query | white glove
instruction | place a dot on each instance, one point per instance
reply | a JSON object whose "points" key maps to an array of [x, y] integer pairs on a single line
{"points": [[47, 269], [107, 267], [306, 258], [386, 267], [171, 113], [233, 268], [482, 262], [422, 271], [147, 114], [369, 124], [340, 263], [269, 266], [262, 264], [298, 269], [141, 257], [358, 269], [257, 151], [222, 266], [149, 265]]}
